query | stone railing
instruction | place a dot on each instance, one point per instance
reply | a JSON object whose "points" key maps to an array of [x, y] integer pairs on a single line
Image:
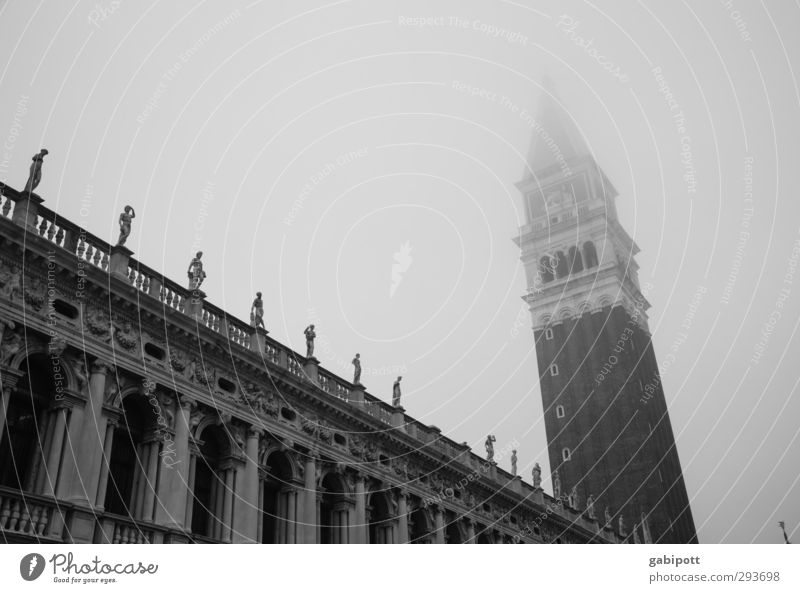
{"points": [[36, 517], [116, 529], [332, 385]]}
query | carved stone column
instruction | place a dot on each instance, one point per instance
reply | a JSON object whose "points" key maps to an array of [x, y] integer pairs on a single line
{"points": [[84, 475], [471, 531], [8, 381], [309, 526], [102, 485], [360, 526], [70, 478], [173, 488], [402, 518], [246, 527], [54, 446], [439, 525]]}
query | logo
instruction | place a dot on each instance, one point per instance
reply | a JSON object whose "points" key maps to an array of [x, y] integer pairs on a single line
{"points": [[402, 261], [31, 566]]}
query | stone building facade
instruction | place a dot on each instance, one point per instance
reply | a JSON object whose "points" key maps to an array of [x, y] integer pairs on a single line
{"points": [[134, 411]]}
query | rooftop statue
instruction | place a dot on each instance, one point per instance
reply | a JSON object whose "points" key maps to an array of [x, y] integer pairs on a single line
{"points": [[35, 175], [490, 440], [396, 392], [357, 369], [257, 312], [125, 224], [310, 335], [195, 272], [537, 475]]}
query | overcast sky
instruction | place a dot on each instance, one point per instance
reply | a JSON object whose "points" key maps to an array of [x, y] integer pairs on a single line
{"points": [[302, 145]]}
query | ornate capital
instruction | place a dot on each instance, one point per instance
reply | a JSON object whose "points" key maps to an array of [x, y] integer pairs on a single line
{"points": [[100, 366]]}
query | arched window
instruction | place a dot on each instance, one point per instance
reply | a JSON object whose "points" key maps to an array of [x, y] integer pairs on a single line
{"points": [[553, 370], [210, 486], [419, 528], [559, 411], [277, 527], [566, 455], [333, 511], [575, 260], [562, 266], [545, 271], [548, 333], [589, 255], [380, 520], [452, 534], [129, 476], [32, 430]]}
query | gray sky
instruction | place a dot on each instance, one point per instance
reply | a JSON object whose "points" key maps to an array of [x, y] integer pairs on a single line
{"points": [[301, 145]]}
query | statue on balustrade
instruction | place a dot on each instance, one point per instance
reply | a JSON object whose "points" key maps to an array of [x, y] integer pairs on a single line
{"points": [[556, 485], [590, 507], [490, 440], [608, 518], [357, 369], [537, 475], [514, 462], [4, 325], [35, 175], [310, 335], [396, 392], [11, 345], [125, 224], [621, 525], [257, 312], [574, 501], [195, 272]]}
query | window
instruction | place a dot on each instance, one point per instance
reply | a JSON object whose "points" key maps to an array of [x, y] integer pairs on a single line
{"points": [[566, 455], [589, 255], [562, 265], [559, 411], [545, 270], [553, 370], [548, 333]]}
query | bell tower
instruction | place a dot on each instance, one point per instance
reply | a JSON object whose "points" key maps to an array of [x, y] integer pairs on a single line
{"points": [[608, 429]]}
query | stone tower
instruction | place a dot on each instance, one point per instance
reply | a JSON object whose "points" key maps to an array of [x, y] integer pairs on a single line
{"points": [[608, 429]]}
